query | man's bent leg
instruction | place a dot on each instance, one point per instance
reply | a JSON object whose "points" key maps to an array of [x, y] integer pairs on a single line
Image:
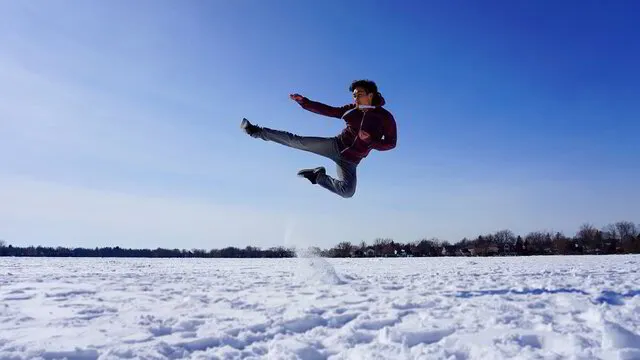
{"points": [[324, 146], [345, 184]]}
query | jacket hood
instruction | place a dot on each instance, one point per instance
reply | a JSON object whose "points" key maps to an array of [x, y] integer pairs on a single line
{"points": [[378, 100]]}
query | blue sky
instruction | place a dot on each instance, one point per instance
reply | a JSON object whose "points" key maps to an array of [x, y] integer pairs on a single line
{"points": [[119, 120]]}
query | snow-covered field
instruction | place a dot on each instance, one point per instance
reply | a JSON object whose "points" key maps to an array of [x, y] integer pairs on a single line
{"points": [[582, 307]]}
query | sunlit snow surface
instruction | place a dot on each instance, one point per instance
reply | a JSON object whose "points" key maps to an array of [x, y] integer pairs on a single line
{"points": [[565, 307]]}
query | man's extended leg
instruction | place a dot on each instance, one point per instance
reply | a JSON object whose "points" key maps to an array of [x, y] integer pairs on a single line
{"points": [[324, 146], [345, 184]]}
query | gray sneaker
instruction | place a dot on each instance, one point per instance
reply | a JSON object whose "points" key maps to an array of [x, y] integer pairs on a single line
{"points": [[312, 174]]}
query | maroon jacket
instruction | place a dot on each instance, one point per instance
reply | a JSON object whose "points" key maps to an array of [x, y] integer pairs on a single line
{"points": [[354, 144]]}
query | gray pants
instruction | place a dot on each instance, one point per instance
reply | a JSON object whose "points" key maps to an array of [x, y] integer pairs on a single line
{"points": [[345, 184]]}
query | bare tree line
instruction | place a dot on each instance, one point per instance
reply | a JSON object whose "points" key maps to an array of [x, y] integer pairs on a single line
{"points": [[622, 237]]}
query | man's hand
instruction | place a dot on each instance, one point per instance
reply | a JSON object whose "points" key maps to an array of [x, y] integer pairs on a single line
{"points": [[365, 136], [297, 98]]}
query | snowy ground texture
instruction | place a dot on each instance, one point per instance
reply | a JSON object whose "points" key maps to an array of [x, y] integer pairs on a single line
{"points": [[565, 307]]}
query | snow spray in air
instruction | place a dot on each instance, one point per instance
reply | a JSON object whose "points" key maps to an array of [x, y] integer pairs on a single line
{"points": [[312, 267]]}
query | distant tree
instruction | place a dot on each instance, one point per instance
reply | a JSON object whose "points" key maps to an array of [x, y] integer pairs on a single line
{"points": [[397, 247], [519, 246], [252, 252], [589, 237], [610, 231], [489, 242], [380, 245], [611, 239], [598, 242], [446, 246], [627, 232], [504, 237], [425, 247], [561, 244], [414, 249], [536, 242], [389, 249], [626, 229], [479, 245], [465, 242], [343, 249]]}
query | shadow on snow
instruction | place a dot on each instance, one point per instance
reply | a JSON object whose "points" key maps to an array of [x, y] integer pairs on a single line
{"points": [[615, 298], [607, 296], [537, 291]]}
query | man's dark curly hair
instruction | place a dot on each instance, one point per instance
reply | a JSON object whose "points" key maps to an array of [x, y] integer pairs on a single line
{"points": [[370, 87]]}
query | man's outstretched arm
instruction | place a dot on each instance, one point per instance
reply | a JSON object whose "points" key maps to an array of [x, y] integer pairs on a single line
{"points": [[389, 138], [320, 108]]}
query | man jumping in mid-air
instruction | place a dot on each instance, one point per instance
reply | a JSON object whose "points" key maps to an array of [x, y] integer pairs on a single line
{"points": [[368, 126]]}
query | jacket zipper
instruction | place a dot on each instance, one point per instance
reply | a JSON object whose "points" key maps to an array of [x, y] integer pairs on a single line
{"points": [[356, 135]]}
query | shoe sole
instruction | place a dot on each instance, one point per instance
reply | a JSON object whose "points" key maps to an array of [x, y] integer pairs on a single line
{"points": [[320, 170]]}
